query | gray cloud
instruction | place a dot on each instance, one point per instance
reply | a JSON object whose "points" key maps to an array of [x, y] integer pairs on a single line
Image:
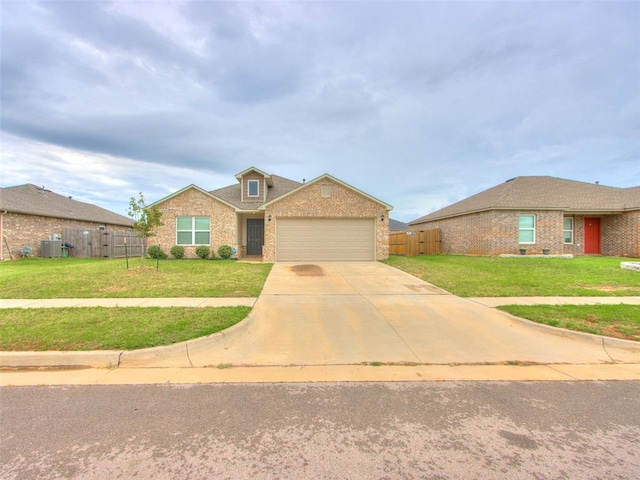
{"points": [[418, 103]]}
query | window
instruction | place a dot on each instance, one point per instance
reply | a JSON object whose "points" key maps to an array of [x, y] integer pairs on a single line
{"points": [[193, 231], [254, 188], [567, 229], [527, 229]]}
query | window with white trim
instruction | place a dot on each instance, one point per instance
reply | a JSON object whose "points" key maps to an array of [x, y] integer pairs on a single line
{"points": [[526, 229], [193, 230], [254, 188], [567, 229]]}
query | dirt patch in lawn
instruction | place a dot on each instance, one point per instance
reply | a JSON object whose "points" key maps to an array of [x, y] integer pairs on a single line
{"points": [[608, 288]]}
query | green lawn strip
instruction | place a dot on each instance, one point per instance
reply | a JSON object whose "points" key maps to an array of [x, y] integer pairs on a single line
{"points": [[100, 328], [106, 278], [619, 321], [471, 276]]}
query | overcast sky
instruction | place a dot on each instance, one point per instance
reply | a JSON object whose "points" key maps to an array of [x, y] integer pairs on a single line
{"points": [[419, 104]]}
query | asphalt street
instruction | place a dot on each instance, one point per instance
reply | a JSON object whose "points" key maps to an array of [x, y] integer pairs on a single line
{"points": [[428, 430]]}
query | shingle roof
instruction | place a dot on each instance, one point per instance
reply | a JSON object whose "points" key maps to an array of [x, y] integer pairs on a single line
{"points": [[231, 194], [543, 193], [32, 200], [397, 225]]}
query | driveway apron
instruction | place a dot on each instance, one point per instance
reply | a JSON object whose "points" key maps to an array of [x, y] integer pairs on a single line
{"points": [[356, 312]]}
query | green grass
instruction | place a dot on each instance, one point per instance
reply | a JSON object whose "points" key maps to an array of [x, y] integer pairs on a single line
{"points": [[620, 321], [469, 276], [105, 278], [114, 328]]}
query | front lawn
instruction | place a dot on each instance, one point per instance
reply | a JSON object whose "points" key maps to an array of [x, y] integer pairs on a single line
{"points": [[116, 328], [620, 321], [469, 276], [107, 278]]}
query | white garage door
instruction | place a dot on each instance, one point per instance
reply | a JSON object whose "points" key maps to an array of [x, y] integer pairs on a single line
{"points": [[307, 239]]}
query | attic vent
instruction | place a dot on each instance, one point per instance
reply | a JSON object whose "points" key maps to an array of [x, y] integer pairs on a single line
{"points": [[326, 191], [511, 179]]}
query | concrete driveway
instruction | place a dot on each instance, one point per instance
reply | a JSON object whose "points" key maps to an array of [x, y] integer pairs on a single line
{"points": [[349, 313]]}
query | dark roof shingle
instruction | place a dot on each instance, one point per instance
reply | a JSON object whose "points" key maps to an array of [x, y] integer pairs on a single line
{"points": [[543, 193], [32, 200], [231, 194]]}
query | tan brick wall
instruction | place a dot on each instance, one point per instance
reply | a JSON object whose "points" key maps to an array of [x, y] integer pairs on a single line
{"points": [[622, 236], [342, 203], [193, 203], [19, 230], [495, 232]]}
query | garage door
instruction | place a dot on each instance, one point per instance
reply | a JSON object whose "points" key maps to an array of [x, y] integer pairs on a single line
{"points": [[306, 239]]}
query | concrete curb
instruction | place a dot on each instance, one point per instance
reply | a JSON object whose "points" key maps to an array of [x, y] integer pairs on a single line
{"points": [[610, 342], [95, 358], [176, 355], [166, 356], [325, 373]]}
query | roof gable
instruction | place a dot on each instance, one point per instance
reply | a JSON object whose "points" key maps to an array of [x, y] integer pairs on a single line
{"points": [[191, 187], [542, 193], [232, 194], [266, 176], [323, 177], [30, 199]]}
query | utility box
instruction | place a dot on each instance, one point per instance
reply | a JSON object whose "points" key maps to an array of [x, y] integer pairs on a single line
{"points": [[51, 248]]}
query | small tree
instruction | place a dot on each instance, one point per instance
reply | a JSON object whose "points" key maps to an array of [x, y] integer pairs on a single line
{"points": [[145, 218]]}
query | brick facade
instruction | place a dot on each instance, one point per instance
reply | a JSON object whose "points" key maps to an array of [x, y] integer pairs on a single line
{"points": [[20, 229], [194, 203], [621, 234], [228, 226], [342, 202], [496, 231]]}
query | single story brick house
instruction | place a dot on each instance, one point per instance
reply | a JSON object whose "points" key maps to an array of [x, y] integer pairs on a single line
{"points": [[30, 214], [273, 218], [541, 212]]}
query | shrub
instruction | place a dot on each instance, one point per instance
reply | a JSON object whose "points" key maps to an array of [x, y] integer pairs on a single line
{"points": [[154, 251], [177, 251], [203, 251], [224, 251]]}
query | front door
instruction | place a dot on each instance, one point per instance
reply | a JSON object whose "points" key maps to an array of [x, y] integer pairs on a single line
{"points": [[255, 236], [591, 235]]}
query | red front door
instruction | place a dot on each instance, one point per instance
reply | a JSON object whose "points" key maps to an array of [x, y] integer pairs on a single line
{"points": [[591, 235]]}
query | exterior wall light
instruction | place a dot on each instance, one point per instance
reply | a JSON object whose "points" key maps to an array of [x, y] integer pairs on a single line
{"points": [[269, 217], [382, 217]]}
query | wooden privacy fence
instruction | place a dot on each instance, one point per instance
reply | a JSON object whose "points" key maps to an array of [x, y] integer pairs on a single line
{"points": [[421, 242], [102, 243]]}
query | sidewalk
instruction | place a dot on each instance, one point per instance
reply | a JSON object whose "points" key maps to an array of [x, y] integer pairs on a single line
{"points": [[250, 302], [128, 302], [498, 301], [65, 368]]}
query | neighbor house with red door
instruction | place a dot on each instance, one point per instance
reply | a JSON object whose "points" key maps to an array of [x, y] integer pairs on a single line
{"points": [[540, 213], [271, 218]]}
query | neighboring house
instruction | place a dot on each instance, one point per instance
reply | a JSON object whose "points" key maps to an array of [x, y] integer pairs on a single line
{"points": [[31, 214], [397, 226], [564, 216], [277, 219]]}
